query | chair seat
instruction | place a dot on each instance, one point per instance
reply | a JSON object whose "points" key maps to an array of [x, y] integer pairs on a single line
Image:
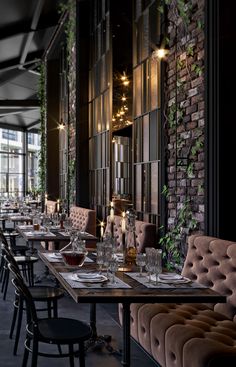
{"points": [[61, 331], [43, 293]]}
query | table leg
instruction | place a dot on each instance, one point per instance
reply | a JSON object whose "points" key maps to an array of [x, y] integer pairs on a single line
{"points": [[126, 335]]}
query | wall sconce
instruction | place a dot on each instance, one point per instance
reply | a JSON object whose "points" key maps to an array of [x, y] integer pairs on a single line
{"points": [[62, 125], [160, 53]]}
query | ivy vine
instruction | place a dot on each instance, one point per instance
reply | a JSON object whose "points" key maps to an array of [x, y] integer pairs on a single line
{"points": [[70, 31], [42, 152], [172, 240]]}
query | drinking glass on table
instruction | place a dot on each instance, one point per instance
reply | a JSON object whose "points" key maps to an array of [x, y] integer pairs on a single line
{"points": [[141, 262], [113, 267], [67, 224], [157, 268], [149, 262], [100, 255]]}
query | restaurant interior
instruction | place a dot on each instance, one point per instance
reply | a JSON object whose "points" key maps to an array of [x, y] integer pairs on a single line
{"points": [[116, 231]]}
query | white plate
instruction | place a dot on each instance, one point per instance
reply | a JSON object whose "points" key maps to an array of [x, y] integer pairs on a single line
{"points": [[89, 278], [170, 276], [183, 280]]}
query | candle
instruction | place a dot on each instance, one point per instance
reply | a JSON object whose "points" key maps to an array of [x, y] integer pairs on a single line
{"points": [[58, 205], [102, 230], [112, 212], [123, 225], [112, 218], [45, 202]]}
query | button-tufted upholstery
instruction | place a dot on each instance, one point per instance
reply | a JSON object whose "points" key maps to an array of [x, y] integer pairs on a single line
{"points": [[51, 206], [83, 219], [194, 335], [145, 233]]}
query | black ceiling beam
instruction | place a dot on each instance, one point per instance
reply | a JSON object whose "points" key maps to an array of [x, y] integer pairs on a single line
{"points": [[19, 103], [33, 57], [25, 27], [33, 27]]}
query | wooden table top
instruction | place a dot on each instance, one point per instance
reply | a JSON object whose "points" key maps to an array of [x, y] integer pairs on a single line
{"points": [[42, 236], [137, 294]]}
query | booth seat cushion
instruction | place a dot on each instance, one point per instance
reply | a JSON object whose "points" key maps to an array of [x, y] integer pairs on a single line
{"points": [[196, 335], [145, 233], [83, 219]]}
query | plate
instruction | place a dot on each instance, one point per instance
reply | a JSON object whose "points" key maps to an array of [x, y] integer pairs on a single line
{"points": [[170, 276], [183, 280], [89, 278]]}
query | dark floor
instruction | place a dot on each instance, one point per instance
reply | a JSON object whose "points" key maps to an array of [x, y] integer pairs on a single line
{"points": [[106, 324]]}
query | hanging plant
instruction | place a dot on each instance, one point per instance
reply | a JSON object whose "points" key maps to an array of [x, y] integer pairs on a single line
{"points": [[69, 8], [42, 152]]}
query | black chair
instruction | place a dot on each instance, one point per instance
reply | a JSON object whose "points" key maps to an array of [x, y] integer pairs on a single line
{"points": [[57, 331], [45, 294], [25, 264]]}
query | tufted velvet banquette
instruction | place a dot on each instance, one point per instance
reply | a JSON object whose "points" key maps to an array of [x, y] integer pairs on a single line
{"points": [[83, 219], [145, 233], [194, 335]]}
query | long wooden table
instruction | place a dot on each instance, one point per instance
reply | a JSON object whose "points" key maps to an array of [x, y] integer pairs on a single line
{"points": [[57, 238], [137, 294]]}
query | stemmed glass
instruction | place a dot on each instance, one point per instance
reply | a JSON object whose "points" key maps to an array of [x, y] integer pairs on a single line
{"points": [[157, 268], [141, 262], [149, 261], [113, 267], [100, 256], [68, 224]]}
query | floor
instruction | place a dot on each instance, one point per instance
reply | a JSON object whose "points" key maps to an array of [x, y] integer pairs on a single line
{"points": [[107, 324]]}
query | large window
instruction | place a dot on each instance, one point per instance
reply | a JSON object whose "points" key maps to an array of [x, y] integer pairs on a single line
{"points": [[13, 166]]}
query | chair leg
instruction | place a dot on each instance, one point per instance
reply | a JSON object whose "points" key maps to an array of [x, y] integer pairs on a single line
{"points": [[14, 317], [34, 353], [49, 306], [71, 355], [6, 284], [18, 328], [55, 309], [26, 353], [81, 355]]}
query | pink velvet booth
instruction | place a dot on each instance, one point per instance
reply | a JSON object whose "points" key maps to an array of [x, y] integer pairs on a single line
{"points": [[83, 219], [194, 335], [145, 233]]}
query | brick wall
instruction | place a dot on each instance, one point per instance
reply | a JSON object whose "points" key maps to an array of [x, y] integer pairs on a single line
{"points": [[185, 111]]}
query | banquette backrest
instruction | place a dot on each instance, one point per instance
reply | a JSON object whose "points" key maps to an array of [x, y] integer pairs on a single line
{"points": [[83, 219], [51, 206], [145, 233], [212, 262]]}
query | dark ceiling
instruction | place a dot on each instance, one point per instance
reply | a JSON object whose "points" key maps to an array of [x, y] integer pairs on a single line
{"points": [[26, 28]]}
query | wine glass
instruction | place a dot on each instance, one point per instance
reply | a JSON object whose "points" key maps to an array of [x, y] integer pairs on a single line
{"points": [[157, 263], [113, 266], [141, 262], [67, 224]]}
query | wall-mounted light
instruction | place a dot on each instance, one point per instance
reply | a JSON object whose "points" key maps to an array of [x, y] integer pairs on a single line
{"points": [[160, 53], [61, 125]]}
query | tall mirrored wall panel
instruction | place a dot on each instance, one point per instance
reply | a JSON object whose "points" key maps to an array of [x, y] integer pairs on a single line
{"points": [[146, 111]]}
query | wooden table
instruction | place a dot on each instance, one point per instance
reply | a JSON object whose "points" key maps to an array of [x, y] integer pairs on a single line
{"points": [[57, 238], [137, 294]]}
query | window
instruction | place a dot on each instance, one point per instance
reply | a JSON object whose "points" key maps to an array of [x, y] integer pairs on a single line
{"points": [[13, 180]]}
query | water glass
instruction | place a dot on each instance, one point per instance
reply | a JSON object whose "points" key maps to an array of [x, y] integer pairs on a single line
{"points": [[141, 262], [100, 255], [113, 267], [157, 263]]}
